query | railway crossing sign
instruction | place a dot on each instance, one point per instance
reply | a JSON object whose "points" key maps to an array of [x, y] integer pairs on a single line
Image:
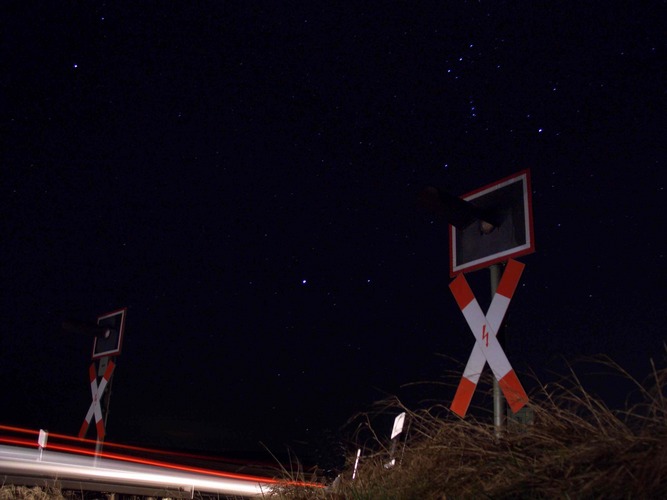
{"points": [[107, 341], [487, 227], [97, 392], [487, 348]]}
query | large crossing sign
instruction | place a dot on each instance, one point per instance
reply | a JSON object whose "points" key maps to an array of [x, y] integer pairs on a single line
{"points": [[487, 227], [487, 348]]}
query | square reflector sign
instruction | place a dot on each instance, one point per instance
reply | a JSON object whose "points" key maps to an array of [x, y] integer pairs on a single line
{"points": [[480, 244], [110, 342]]}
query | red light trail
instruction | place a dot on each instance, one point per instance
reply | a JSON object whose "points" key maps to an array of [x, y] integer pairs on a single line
{"points": [[157, 470]]}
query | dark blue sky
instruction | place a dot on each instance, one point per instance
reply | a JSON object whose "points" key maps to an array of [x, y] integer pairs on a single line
{"points": [[243, 178]]}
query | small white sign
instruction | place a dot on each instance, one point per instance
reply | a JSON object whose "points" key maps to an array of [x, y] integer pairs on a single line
{"points": [[43, 437], [398, 425]]}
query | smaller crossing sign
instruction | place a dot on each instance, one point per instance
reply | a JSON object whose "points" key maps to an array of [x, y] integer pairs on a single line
{"points": [[95, 407], [487, 347]]}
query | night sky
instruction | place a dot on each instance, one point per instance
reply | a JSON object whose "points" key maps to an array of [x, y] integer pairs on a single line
{"points": [[243, 177]]}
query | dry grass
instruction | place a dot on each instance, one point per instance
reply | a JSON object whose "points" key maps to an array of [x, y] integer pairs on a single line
{"points": [[576, 447], [11, 492]]}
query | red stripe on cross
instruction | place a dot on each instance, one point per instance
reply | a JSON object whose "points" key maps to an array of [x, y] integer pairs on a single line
{"points": [[84, 428], [463, 397], [514, 394], [100, 429], [461, 291], [510, 279]]}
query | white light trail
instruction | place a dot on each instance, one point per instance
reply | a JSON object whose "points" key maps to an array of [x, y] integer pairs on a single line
{"points": [[66, 467]]}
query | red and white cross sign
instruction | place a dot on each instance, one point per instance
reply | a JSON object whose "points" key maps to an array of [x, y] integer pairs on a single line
{"points": [[487, 347], [95, 407]]}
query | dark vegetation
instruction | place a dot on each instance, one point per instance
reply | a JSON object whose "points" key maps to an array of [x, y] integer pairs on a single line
{"points": [[574, 446]]}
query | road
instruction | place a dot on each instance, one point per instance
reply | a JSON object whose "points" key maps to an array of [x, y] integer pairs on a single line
{"points": [[19, 465]]}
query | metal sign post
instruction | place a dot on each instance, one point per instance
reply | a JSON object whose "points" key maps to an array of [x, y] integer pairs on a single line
{"points": [[498, 400]]}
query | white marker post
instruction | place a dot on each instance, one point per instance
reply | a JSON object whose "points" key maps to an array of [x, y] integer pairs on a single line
{"points": [[356, 464], [41, 442], [399, 421]]}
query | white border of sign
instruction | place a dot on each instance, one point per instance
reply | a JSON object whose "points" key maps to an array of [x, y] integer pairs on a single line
{"points": [[112, 352], [528, 247]]}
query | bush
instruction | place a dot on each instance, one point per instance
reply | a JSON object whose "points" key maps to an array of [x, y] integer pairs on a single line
{"points": [[574, 447]]}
